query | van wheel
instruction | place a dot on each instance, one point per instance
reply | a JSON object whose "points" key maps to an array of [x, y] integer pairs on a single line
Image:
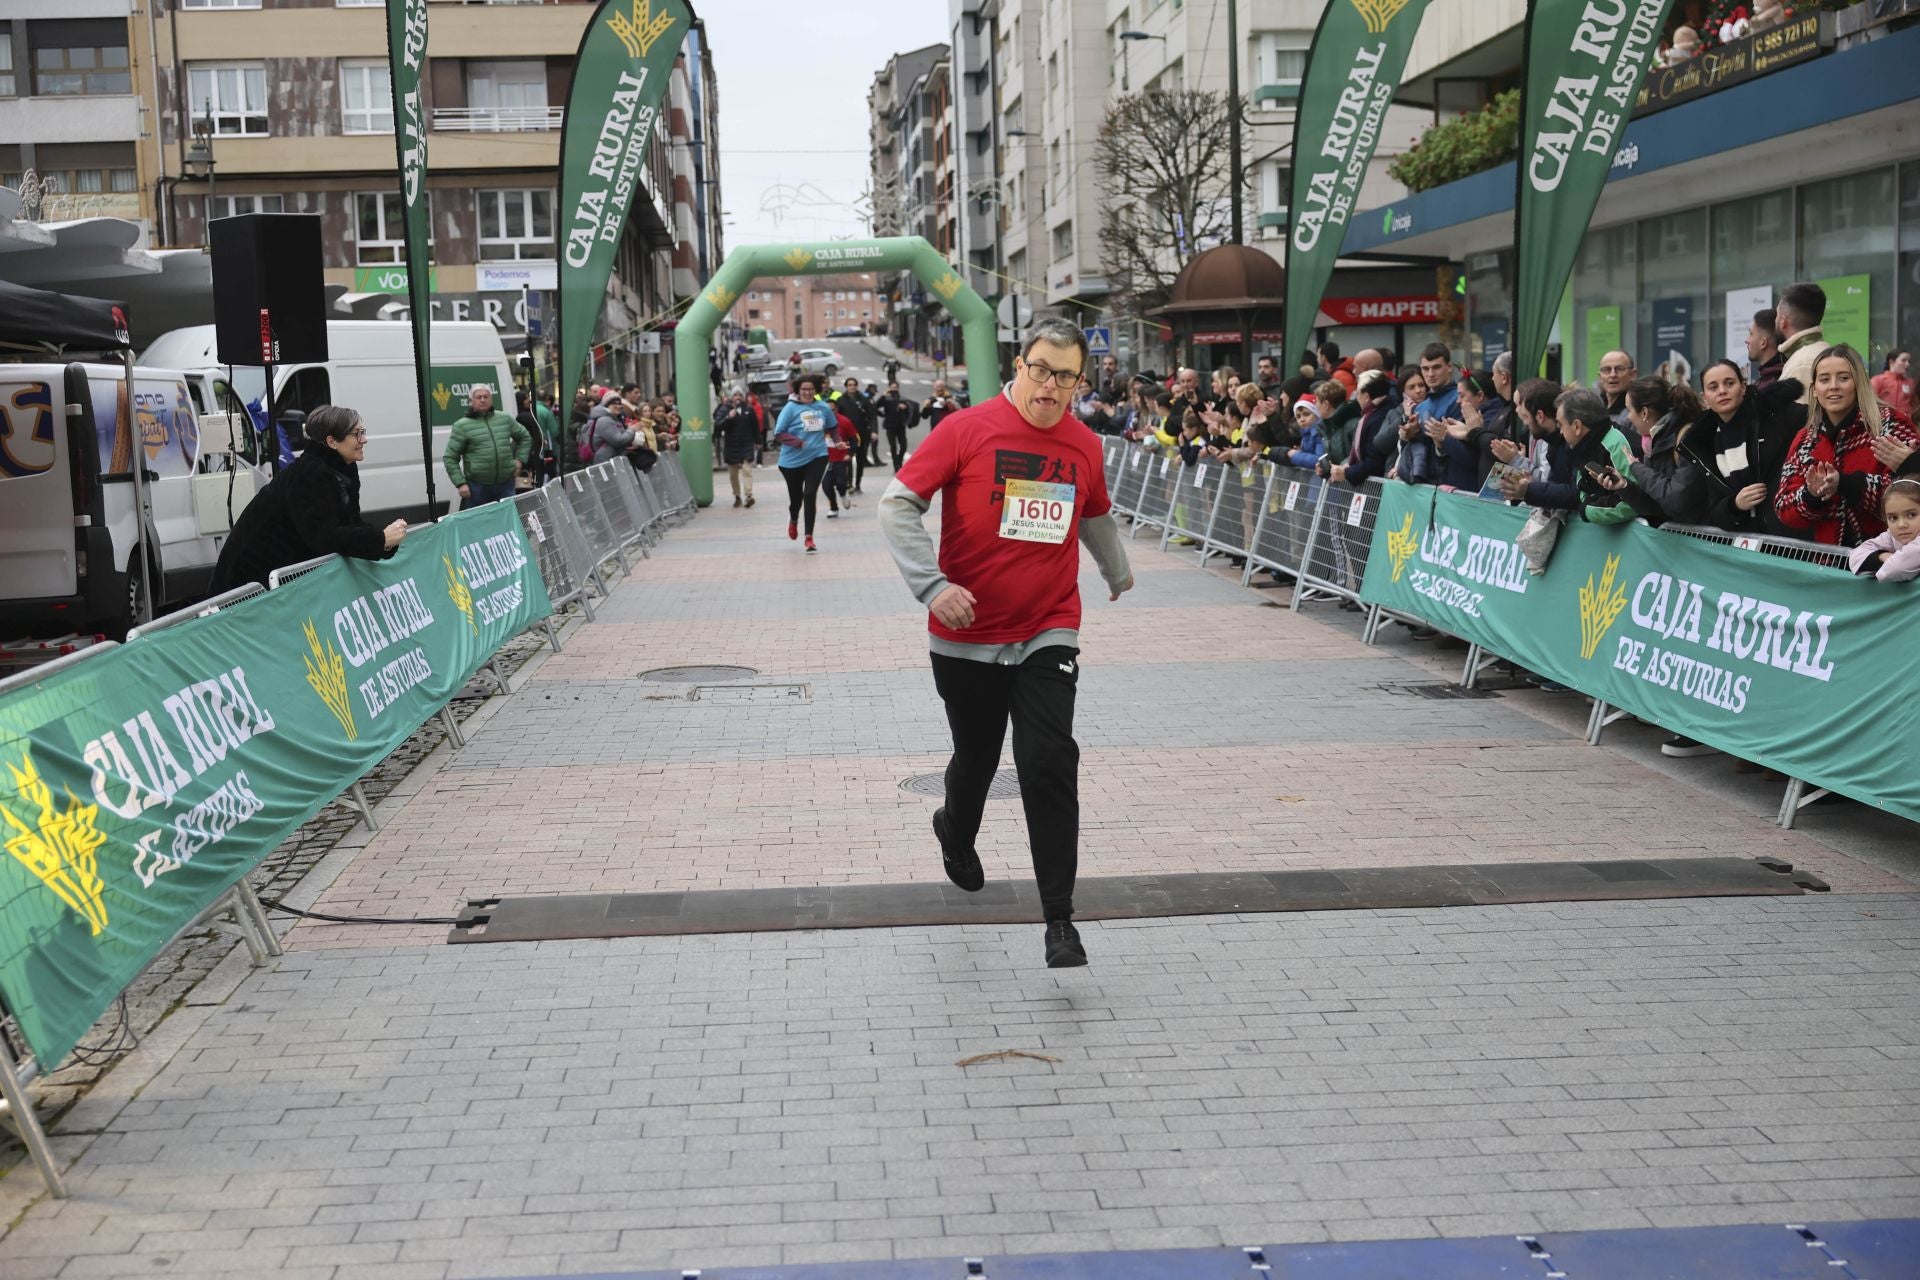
{"points": [[134, 611]]}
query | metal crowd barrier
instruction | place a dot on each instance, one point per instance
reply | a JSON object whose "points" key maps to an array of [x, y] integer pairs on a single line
{"points": [[546, 520], [1195, 491], [1130, 478], [623, 519], [584, 496], [1284, 530]]}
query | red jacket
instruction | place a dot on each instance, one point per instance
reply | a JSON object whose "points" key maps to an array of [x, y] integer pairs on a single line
{"points": [[840, 441], [1852, 514]]}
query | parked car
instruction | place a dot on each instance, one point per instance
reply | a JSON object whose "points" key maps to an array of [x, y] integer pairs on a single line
{"points": [[845, 331], [757, 355], [819, 360]]}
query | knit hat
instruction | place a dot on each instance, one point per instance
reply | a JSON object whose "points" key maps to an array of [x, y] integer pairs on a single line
{"points": [[1310, 405]]}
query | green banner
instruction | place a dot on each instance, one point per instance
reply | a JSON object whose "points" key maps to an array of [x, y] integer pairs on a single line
{"points": [[138, 786], [395, 280], [1353, 71], [619, 78], [1603, 335], [1583, 64], [1849, 312], [450, 386], [406, 57], [1771, 660]]}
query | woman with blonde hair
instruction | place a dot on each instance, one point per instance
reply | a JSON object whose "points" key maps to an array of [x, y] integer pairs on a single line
{"points": [[1838, 467]]}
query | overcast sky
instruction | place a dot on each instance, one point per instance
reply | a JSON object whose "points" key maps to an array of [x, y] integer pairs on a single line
{"points": [[793, 124]]}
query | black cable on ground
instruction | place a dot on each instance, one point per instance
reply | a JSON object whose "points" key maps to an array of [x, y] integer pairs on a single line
{"points": [[272, 905]]}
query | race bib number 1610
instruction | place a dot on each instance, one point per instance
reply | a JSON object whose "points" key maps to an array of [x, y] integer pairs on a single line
{"points": [[1036, 512]]}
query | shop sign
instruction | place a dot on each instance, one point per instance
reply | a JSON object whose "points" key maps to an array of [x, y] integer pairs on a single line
{"points": [[1382, 310], [512, 277], [1729, 64], [388, 279], [1224, 337]]}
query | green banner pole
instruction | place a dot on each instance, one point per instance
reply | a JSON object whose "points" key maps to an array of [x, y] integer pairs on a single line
{"points": [[1353, 70], [1583, 74], [406, 55], [619, 77]]}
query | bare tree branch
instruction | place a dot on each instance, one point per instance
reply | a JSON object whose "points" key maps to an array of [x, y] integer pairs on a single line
{"points": [[1163, 158]]}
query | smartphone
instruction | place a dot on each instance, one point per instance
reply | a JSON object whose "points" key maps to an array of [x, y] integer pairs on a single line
{"points": [[1595, 469]]}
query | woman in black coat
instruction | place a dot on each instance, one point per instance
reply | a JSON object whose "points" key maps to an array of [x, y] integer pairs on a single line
{"points": [[1741, 441], [310, 509]]}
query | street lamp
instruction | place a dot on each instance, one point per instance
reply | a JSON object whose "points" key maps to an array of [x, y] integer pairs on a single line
{"points": [[1126, 38], [198, 162]]}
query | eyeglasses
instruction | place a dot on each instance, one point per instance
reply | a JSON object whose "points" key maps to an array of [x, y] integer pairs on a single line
{"points": [[358, 433], [1043, 375]]}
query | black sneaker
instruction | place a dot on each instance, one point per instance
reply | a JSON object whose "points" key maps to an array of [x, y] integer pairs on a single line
{"points": [[963, 867], [1684, 747], [1063, 946]]}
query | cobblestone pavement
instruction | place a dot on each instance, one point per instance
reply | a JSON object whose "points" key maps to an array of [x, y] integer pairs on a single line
{"points": [[377, 1104]]}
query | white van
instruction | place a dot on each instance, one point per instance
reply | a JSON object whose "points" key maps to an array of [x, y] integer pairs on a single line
{"points": [[370, 369], [68, 547]]}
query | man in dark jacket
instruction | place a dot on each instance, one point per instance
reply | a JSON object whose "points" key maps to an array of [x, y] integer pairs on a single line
{"points": [[737, 429], [850, 404], [1765, 360], [938, 405], [897, 416]]}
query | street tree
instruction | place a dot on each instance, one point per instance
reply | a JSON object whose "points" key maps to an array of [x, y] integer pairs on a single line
{"points": [[1162, 158]]}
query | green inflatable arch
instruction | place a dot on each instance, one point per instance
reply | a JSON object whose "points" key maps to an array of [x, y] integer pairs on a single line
{"points": [[694, 335]]}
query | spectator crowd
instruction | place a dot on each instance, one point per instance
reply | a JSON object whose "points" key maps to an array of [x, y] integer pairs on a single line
{"points": [[1800, 441]]}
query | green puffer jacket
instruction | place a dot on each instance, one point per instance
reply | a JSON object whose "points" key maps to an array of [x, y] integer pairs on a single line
{"points": [[483, 451]]}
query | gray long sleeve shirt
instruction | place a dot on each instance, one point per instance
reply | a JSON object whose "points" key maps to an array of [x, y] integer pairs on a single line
{"points": [[902, 523]]}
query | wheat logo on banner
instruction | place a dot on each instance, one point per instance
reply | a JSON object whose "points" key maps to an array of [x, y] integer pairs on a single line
{"points": [[327, 673], [61, 848], [1379, 14], [1600, 607]]}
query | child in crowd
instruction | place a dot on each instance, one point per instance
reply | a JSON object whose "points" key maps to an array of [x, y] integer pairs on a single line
{"points": [[1893, 556]]}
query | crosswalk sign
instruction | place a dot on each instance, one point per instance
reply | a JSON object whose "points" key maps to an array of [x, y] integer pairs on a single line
{"points": [[1099, 340]]}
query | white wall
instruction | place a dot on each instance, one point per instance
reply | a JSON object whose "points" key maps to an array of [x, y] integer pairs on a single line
{"points": [[70, 119]]}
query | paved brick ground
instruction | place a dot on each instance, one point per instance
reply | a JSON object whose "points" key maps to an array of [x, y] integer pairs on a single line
{"points": [[381, 1105]]}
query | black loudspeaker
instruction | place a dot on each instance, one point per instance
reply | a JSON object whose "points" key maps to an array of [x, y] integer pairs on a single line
{"points": [[268, 262]]}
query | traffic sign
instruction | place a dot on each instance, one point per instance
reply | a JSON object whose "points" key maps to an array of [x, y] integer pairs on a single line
{"points": [[1015, 312], [1099, 340], [533, 315]]}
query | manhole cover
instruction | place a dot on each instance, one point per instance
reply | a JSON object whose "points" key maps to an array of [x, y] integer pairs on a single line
{"points": [[1006, 785], [698, 675]]}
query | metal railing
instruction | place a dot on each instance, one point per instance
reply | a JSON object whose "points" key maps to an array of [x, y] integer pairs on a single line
{"points": [[601, 543], [1283, 532], [497, 119]]}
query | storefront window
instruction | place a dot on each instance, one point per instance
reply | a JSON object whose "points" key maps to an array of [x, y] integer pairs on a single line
{"points": [[1489, 306], [1606, 289], [1907, 331], [1752, 250], [1847, 240], [1672, 311]]}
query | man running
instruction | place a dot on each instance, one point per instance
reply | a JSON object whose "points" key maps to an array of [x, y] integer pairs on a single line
{"points": [[1024, 486]]}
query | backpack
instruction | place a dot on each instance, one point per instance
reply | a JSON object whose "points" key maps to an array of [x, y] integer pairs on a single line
{"points": [[586, 441]]}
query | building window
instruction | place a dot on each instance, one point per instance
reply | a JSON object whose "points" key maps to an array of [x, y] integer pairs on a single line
{"points": [[83, 57], [366, 97], [516, 224], [1283, 62], [8, 85], [508, 94], [234, 206], [380, 227], [234, 93], [219, 4], [1063, 241], [359, 4]]}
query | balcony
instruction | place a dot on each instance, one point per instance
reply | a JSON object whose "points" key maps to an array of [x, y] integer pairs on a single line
{"points": [[497, 119]]}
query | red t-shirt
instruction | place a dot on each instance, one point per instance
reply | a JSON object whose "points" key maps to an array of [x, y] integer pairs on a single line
{"points": [[1020, 588]]}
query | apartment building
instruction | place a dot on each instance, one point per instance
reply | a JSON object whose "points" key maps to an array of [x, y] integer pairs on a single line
{"points": [[976, 175], [808, 307], [291, 102], [69, 111], [911, 123]]}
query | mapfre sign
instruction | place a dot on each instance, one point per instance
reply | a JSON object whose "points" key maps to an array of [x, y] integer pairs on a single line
{"points": [[1382, 310]]}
